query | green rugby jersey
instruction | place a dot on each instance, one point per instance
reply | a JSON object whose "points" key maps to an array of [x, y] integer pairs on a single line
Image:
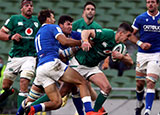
{"points": [[27, 28], [104, 42], [80, 25]]}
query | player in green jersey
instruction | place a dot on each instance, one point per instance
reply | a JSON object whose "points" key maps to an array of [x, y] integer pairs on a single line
{"points": [[87, 20], [21, 30], [85, 62]]}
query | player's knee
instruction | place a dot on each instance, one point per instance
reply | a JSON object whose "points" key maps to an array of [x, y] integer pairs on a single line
{"points": [[107, 89], [140, 84], [56, 103], [24, 83], [151, 81], [6, 84]]}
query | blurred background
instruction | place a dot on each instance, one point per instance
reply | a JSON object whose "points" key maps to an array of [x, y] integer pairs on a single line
{"points": [[109, 14]]}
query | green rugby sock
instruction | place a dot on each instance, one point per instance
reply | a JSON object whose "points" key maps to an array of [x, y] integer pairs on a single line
{"points": [[99, 102], [20, 99], [42, 99]]}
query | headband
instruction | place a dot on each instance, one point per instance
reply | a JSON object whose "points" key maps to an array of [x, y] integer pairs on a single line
{"points": [[25, 2]]}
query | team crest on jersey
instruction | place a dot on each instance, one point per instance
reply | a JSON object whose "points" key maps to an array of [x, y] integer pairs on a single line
{"points": [[147, 20], [36, 24], [20, 23], [29, 31], [159, 21]]}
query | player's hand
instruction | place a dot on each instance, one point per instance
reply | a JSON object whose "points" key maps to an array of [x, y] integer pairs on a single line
{"points": [[117, 55], [86, 46], [145, 46], [17, 37]]}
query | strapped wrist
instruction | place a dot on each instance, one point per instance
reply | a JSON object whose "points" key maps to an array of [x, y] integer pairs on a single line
{"points": [[85, 40], [139, 43], [10, 37]]}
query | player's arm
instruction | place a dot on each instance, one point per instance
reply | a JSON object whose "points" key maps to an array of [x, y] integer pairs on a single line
{"points": [[125, 58], [5, 36], [85, 36], [68, 52], [134, 39], [68, 41]]}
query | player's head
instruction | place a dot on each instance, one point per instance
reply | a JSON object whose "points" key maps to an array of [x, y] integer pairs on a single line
{"points": [[46, 16], [65, 22], [27, 8], [89, 10], [123, 33], [152, 5]]}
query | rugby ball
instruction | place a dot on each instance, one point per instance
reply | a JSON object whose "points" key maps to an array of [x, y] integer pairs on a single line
{"points": [[120, 48]]}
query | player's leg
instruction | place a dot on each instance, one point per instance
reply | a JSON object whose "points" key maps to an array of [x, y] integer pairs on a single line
{"points": [[72, 76], [7, 89], [140, 82], [153, 73], [27, 73], [77, 101], [9, 77], [102, 82], [34, 94], [54, 103]]}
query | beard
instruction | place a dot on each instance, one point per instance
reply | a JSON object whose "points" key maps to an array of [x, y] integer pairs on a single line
{"points": [[89, 17]]}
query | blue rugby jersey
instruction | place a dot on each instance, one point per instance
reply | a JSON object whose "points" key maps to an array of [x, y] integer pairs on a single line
{"points": [[149, 29], [47, 46]]}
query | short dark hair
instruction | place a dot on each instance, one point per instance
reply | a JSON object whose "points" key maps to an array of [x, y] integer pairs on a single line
{"points": [[44, 14], [89, 3], [64, 18], [125, 26], [23, 2]]}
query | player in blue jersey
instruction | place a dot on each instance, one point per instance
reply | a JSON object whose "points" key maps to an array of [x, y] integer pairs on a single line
{"points": [[148, 65], [51, 69]]}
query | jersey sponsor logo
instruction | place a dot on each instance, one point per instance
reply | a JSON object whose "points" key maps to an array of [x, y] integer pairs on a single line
{"points": [[59, 29], [20, 23], [29, 31], [36, 24], [151, 28]]}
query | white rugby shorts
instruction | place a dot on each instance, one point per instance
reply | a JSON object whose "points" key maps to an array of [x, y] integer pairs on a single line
{"points": [[148, 63], [84, 70], [49, 72], [16, 65]]}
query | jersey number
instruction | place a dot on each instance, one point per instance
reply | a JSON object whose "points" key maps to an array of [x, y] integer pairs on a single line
{"points": [[38, 44]]}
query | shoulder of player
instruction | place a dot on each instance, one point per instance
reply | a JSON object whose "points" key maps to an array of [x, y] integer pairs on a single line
{"points": [[15, 16], [143, 15], [96, 24]]}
